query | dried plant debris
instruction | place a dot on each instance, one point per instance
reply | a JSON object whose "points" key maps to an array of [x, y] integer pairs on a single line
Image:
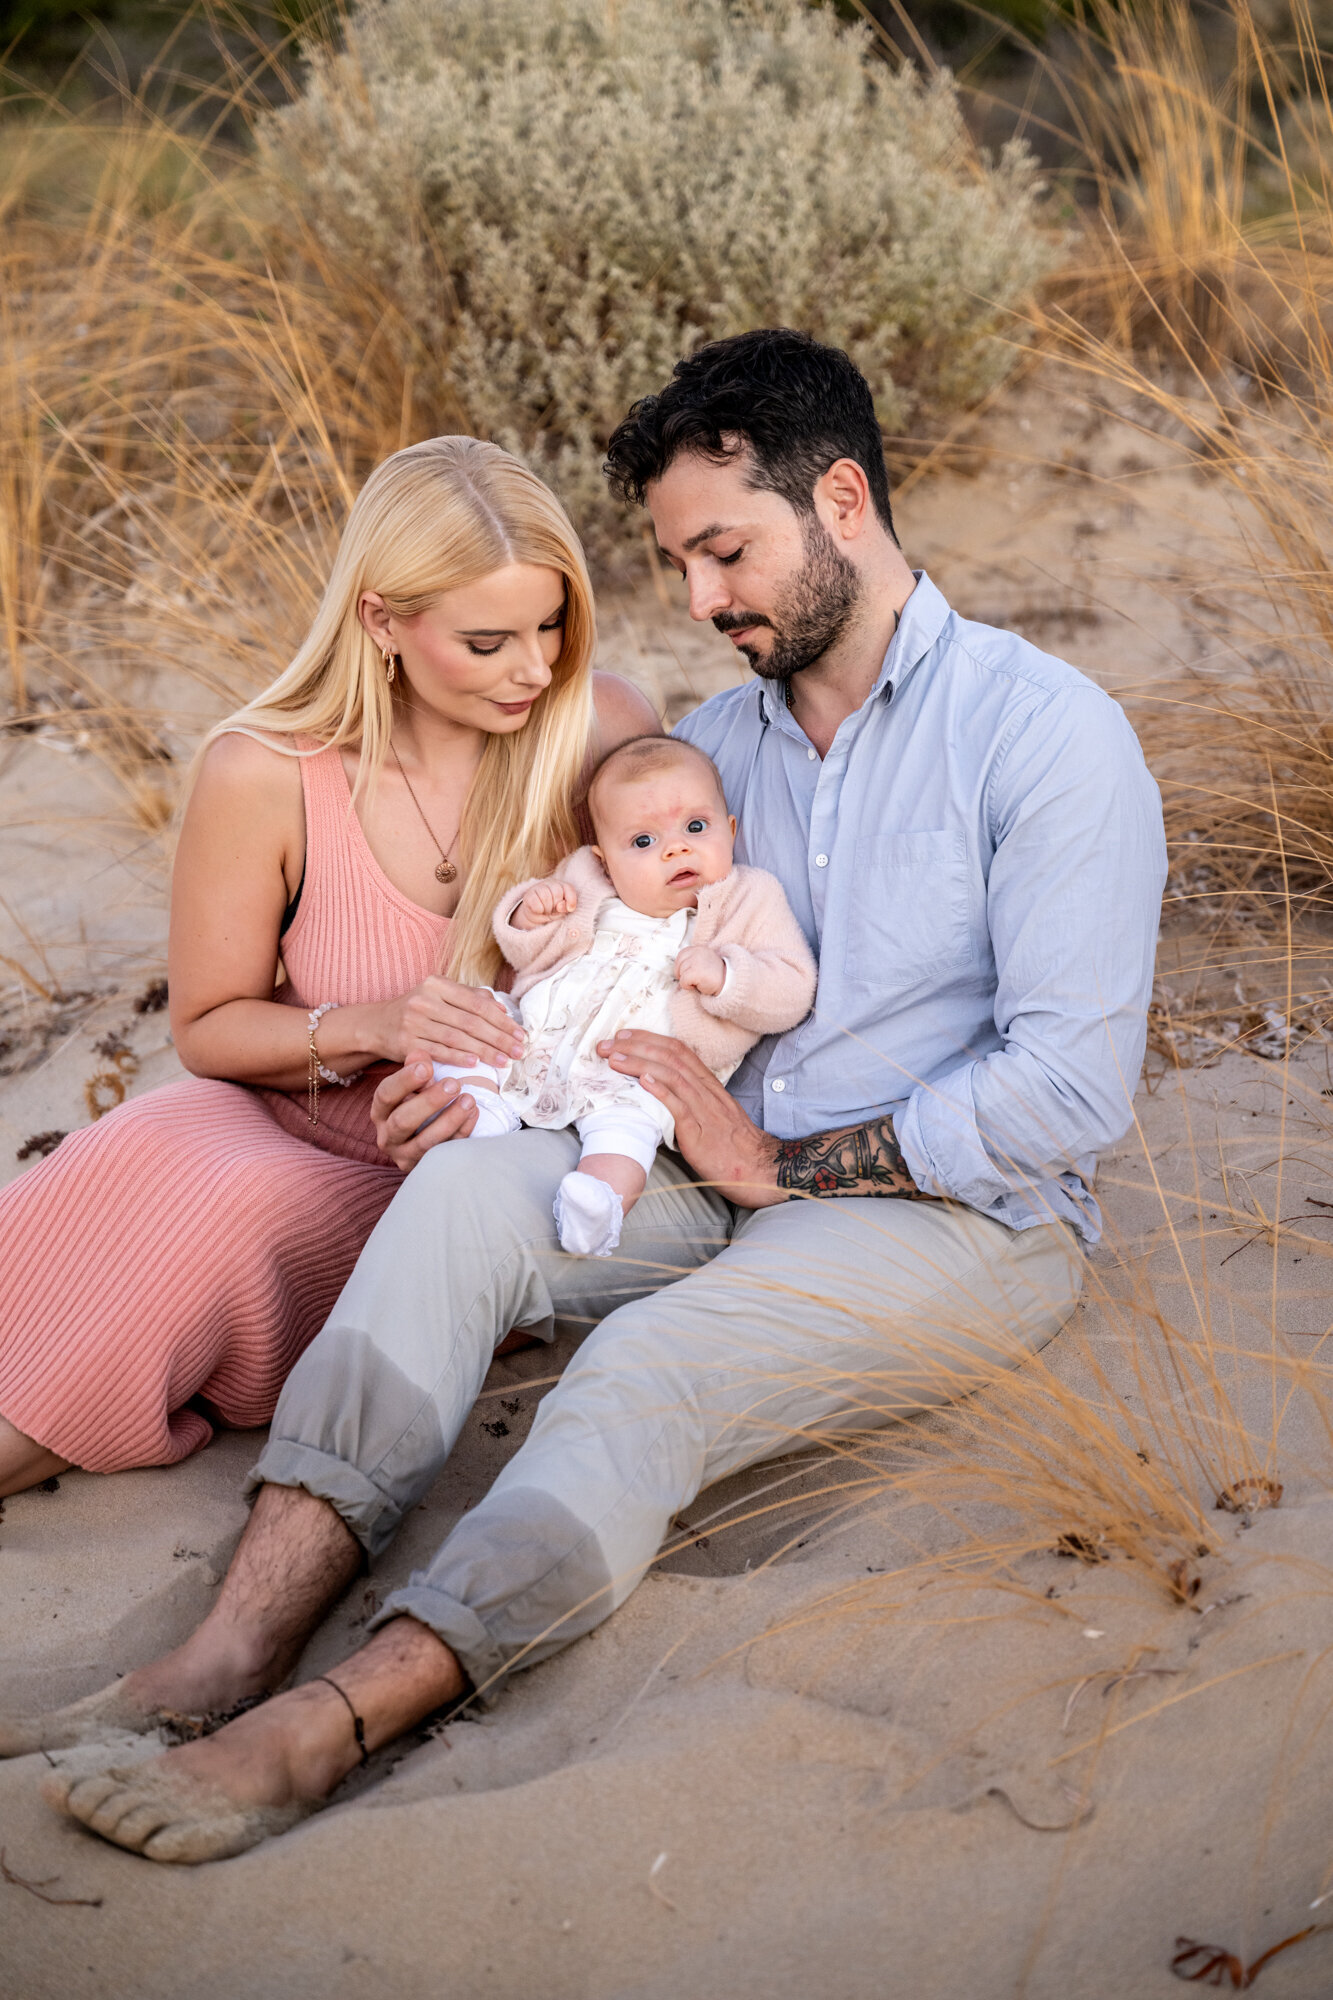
{"points": [[1082, 1548], [1184, 1579], [1214, 1965], [1249, 1496], [153, 998], [105, 1088], [1190, 1034], [178, 1728], [41, 1889], [1083, 1811], [39, 1145]]}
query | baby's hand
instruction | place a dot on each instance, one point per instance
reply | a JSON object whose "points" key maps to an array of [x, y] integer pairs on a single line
{"points": [[543, 903], [701, 968]]}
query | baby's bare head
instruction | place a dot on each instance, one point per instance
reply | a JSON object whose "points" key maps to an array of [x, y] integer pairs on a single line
{"points": [[660, 816]]}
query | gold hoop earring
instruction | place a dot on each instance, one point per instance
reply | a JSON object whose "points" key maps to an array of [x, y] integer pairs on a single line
{"points": [[390, 666]]}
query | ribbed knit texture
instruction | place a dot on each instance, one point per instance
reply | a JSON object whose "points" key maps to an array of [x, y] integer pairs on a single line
{"points": [[193, 1242]]}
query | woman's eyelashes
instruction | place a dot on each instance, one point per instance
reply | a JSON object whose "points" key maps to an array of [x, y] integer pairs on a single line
{"points": [[556, 624]]}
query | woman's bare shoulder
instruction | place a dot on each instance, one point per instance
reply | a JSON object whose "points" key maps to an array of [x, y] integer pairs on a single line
{"points": [[622, 711], [252, 768], [253, 778]]}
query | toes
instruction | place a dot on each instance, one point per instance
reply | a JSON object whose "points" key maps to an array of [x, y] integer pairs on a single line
{"points": [[80, 1797], [113, 1804], [190, 1841], [138, 1824], [118, 1802], [56, 1788]]}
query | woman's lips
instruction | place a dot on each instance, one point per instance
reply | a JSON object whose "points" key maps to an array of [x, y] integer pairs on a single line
{"points": [[514, 707]]}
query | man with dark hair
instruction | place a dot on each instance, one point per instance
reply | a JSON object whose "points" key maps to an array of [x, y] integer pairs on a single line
{"points": [[968, 835]]}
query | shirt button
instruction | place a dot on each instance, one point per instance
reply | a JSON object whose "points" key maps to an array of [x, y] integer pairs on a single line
{"points": [[811, 754], [821, 861], [779, 1083]]}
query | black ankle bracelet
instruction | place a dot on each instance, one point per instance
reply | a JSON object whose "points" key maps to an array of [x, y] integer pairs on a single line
{"points": [[357, 1724]]}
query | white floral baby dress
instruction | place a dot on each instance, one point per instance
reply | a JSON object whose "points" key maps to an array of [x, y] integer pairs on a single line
{"points": [[624, 980]]}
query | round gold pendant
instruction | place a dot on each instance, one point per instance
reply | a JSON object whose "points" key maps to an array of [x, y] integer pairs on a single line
{"points": [[445, 871]]}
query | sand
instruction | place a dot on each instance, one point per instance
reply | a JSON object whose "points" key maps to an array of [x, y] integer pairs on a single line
{"points": [[856, 1750]]}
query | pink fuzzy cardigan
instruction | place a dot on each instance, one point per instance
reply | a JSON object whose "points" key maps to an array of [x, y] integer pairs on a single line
{"points": [[746, 917]]}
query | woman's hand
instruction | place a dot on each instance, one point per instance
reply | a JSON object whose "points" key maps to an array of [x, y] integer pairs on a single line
{"points": [[411, 1114], [446, 1022]]}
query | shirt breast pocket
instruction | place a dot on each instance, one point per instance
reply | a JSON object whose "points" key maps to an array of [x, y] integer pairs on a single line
{"points": [[909, 914]]}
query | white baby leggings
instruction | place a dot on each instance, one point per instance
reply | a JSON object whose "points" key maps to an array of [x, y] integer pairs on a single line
{"points": [[589, 1215]]}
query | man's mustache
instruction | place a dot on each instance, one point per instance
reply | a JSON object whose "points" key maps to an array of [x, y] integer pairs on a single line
{"points": [[736, 621]]}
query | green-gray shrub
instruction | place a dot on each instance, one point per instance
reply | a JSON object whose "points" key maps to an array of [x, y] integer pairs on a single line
{"points": [[565, 195]]}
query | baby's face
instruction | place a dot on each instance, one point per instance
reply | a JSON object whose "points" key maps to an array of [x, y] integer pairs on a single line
{"points": [[663, 837]]}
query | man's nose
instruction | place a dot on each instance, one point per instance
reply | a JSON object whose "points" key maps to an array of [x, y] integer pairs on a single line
{"points": [[708, 592]]}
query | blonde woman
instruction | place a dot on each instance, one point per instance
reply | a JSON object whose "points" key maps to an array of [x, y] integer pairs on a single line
{"points": [[345, 841]]}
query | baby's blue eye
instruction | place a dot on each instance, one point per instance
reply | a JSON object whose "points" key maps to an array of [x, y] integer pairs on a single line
{"points": [[642, 840], [697, 826]]}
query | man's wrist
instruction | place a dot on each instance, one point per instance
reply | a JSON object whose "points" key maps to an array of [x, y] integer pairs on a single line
{"points": [[759, 1188]]}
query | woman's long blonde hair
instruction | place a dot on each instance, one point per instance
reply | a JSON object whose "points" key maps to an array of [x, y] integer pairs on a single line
{"points": [[434, 518]]}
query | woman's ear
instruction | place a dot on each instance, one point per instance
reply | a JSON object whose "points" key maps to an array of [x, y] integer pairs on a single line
{"points": [[375, 615]]}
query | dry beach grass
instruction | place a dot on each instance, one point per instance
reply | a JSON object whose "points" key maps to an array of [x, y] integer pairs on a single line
{"points": [[1006, 1699]]}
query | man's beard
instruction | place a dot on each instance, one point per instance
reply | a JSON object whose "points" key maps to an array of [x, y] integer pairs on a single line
{"points": [[811, 615]]}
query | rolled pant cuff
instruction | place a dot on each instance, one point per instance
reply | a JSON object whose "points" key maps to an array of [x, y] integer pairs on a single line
{"points": [[370, 1516], [483, 1661]]}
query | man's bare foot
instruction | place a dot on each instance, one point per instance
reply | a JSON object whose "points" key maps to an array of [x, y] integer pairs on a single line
{"points": [[295, 1558], [272, 1767], [86, 1721]]}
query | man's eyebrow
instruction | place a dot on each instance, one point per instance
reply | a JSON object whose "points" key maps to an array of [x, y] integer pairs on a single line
{"points": [[704, 535]]}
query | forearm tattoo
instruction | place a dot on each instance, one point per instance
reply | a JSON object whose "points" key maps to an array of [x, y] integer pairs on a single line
{"points": [[860, 1159]]}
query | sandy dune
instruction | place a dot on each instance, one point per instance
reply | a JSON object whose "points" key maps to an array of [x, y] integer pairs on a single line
{"points": [[860, 1747]]}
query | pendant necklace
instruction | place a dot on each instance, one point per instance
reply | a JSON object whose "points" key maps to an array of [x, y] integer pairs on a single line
{"points": [[445, 871]]}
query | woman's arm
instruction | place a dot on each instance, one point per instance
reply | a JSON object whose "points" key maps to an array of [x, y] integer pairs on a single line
{"points": [[240, 857]]}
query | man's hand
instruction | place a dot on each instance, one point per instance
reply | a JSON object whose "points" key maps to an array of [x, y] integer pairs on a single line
{"points": [[746, 1165], [406, 1102], [702, 969], [543, 903], [713, 1134]]}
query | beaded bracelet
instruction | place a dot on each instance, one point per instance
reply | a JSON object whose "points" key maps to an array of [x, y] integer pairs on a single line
{"points": [[318, 1069]]}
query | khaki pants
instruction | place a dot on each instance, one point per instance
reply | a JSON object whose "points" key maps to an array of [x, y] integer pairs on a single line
{"points": [[721, 1337]]}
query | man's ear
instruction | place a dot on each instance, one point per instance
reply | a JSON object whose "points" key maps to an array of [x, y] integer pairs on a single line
{"points": [[842, 499]]}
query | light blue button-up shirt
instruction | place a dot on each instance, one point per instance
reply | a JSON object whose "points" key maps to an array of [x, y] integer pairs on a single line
{"points": [[978, 863]]}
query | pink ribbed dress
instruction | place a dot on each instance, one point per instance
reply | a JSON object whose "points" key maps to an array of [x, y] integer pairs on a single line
{"points": [[190, 1244]]}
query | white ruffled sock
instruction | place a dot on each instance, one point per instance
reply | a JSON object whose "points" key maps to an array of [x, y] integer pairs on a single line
{"points": [[588, 1216]]}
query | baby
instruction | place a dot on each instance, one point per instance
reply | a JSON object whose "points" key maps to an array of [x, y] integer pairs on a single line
{"points": [[654, 927]]}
